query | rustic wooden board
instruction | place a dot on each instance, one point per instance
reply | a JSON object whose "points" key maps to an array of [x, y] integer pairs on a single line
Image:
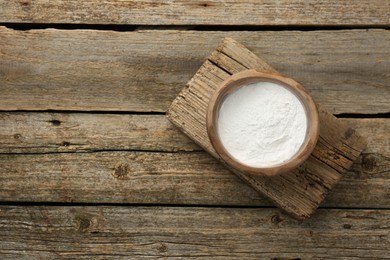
{"points": [[298, 192], [48, 132], [30, 132], [204, 181], [116, 71], [199, 12], [228, 233], [165, 179]]}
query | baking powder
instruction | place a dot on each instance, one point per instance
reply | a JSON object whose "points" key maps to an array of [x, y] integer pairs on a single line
{"points": [[262, 124]]}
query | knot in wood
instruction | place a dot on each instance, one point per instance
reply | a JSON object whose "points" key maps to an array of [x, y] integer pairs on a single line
{"points": [[276, 219], [349, 133], [25, 2], [369, 162], [347, 226], [83, 224], [55, 122], [17, 136], [162, 248], [121, 170], [64, 143]]}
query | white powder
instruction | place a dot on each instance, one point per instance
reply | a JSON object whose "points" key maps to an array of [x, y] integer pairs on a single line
{"points": [[262, 124]]}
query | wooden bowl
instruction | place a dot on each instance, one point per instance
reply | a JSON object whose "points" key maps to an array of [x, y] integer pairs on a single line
{"points": [[251, 76]]}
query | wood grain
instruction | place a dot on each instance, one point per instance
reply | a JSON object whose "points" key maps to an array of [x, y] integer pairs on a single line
{"points": [[49, 132], [151, 177], [199, 12], [228, 233], [31, 132], [345, 71], [105, 158], [165, 178]]}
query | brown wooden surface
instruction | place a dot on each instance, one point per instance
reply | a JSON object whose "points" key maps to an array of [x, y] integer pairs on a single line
{"points": [[345, 71], [186, 232], [199, 12], [46, 132], [29, 132], [123, 158], [165, 178], [298, 192], [203, 182]]}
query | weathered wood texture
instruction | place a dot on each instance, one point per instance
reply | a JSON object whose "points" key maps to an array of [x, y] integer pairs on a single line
{"points": [[345, 71], [48, 132], [228, 233], [31, 132], [107, 158], [157, 178], [298, 192], [164, 178], [199, 12]]}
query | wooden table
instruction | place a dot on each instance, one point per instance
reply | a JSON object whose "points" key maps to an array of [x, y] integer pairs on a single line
{"points": [[91, 168]]}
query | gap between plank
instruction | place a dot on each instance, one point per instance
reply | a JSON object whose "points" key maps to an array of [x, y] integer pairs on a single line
{"points": [[86, 204], [89, 204], [130, 28], [114, 112], [353, 115]]}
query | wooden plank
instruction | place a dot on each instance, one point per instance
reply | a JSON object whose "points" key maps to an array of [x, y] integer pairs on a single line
{"points": [[152, 177], [370, 171], [199, 12], [30, 132], [165, 178], [298, 192], [345, 71], [228, 233], [48, 132]]}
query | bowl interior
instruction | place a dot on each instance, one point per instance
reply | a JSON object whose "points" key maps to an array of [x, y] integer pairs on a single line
{"points": [[238, 80]]}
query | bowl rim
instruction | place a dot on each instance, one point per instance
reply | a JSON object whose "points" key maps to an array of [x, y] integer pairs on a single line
{"points": [[245, 77]]}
